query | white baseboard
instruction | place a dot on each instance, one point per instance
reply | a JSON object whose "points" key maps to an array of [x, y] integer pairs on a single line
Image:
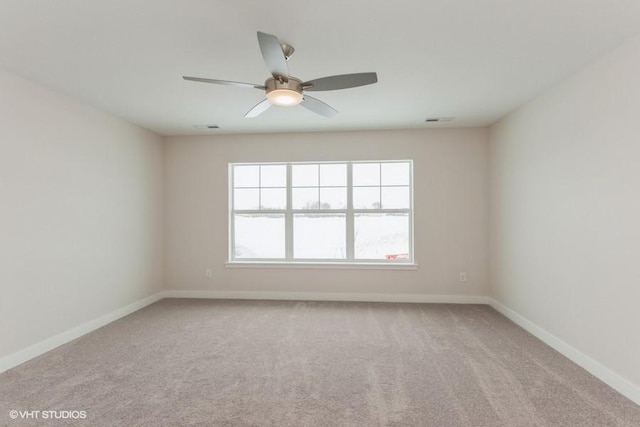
{"points": [[322, 296], [35, 350], [606, 375]]}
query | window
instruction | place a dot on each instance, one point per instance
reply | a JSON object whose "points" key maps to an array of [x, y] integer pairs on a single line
{"points": [[338, 212]]}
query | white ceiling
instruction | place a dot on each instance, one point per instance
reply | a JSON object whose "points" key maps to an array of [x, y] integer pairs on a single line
{"points": [[475, 60]]}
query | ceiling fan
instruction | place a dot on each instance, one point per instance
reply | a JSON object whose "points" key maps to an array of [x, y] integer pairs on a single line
{"points": [[284, 90]]}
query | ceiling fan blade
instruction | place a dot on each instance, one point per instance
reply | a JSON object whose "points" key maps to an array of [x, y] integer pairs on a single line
{"points": [[258, 109], [343, 81], [273, 55], [318, 107], [224, 82]]}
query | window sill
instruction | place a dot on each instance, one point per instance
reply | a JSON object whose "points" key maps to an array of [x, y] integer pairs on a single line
{"points": [[322, 265]]}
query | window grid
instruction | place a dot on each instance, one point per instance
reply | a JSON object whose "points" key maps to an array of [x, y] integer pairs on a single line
{"points": [[350, 212]]}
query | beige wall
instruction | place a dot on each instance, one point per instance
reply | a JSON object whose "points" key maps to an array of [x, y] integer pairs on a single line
{"points": [[565, 211], [450, 173], [80, 213]]}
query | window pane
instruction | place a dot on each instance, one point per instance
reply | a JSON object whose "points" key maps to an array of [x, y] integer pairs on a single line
{"points": [[259, 236], [273, 198], [381, 236], [304, 175], [246, 199], [395, 173], [366, 174], [305, 198], [395, 197], [366, 197], [333, 198], [273, 176], [246, 176], [303, 211], [333, 175], [319, 236]]}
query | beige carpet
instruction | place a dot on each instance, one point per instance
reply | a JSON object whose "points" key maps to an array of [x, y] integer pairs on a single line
{"points": [[277, 363]]}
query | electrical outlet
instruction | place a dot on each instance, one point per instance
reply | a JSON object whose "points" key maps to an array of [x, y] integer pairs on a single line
{"points": [[463, 277], [209, 273]]}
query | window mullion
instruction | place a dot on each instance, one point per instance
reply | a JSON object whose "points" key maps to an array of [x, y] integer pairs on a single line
{"points": [[318, 193], [288, 217], [411, 247], [260, 187], [232, 220], [380, 184], [350, 220]]}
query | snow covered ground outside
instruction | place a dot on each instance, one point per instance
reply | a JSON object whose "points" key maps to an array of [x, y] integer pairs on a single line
{"points": [[322, 236]]}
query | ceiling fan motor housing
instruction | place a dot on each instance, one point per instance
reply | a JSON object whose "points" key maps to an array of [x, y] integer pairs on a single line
{"points": [[284, 93], [292, 84]]}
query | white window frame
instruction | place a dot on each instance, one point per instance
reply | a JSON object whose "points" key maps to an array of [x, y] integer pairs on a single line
{"points": [[349, 213]]}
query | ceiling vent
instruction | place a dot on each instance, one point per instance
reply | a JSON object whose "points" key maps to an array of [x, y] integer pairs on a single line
{"points": [[206, 126], [439, 119]]}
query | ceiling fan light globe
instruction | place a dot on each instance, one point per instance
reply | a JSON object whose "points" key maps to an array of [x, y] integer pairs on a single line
{"points": [[284, 97]]}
